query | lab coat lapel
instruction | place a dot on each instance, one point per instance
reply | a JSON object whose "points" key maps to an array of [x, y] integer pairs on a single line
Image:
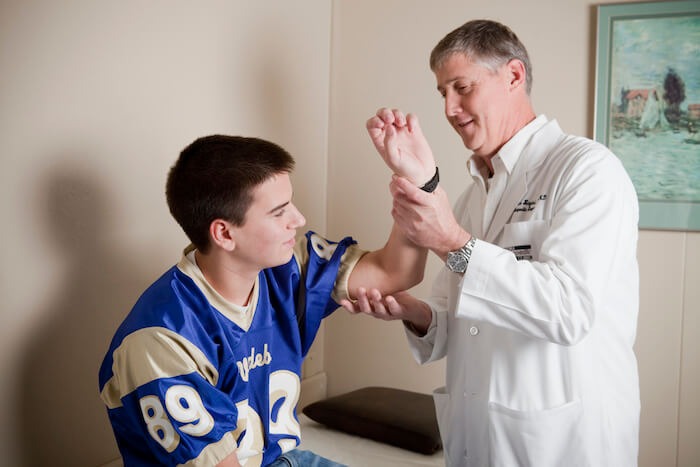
{"points": [[515, 190], [475, 210], [475, 205], [539, 146]]}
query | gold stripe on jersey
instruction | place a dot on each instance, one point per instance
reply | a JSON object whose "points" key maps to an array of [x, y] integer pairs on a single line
{"points": [[352, 255], [348, 261], [242, 318], [150, 354], [214, 453]]}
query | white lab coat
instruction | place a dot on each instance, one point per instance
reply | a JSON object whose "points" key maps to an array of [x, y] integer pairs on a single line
{"points": [[540, 366]]}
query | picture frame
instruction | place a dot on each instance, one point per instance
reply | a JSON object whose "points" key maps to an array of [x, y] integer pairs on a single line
{"points": [[647, 105]]}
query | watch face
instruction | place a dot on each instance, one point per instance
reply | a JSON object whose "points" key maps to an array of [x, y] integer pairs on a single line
{"points": [[456, 262]]}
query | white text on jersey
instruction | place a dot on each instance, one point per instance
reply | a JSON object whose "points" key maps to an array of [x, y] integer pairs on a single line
{"points": [[253, 361]]}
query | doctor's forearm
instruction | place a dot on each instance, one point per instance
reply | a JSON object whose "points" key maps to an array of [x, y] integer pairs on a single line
{"points": [[531, 298]]}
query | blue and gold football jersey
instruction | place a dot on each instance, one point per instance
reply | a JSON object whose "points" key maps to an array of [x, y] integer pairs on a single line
{"points": [[190, 377]]}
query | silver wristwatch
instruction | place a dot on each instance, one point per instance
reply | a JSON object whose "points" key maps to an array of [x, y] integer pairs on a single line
{"points": [[458, 260]]}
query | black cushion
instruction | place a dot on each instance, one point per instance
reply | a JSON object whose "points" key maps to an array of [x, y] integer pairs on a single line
{"points": [[401, 418]]}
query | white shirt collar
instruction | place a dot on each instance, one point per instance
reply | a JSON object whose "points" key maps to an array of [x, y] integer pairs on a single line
{"points": [[509, 153]]}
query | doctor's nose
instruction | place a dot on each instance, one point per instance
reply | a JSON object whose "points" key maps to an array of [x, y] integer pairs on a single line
{"points": [[452, 105]]}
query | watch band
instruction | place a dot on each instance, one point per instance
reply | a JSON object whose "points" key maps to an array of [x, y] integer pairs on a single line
{"points": [[458, 260], [468, 248], [432, 184]]}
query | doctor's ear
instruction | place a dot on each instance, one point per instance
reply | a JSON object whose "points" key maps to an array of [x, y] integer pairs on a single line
{"points": [[516, 74], [221, 233]]}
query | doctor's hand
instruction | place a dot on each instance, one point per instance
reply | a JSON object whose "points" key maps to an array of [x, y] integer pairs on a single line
{"points": [[426, 218], [400, 142], [400, 305]]}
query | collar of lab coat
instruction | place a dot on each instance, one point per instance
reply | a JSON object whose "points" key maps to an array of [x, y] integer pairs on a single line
{"points": [[510, 151], [534, 151]]}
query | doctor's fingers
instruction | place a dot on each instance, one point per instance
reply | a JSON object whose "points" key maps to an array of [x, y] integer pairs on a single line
{"points": [[350, 306], [403, 188], [361, 303], [423, 226], [380, 306], [427, 226], [433, 206], [365, 305], [409, 210], [409, 223], [394, 309]]}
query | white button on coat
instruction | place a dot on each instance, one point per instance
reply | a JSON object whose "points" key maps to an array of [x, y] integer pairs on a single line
{"points": [[473, 330]]}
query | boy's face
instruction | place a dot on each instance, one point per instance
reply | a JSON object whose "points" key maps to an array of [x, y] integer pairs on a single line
{"points": [[266, 238]]}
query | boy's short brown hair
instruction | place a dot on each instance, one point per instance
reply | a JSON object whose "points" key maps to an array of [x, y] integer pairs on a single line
{"points": [[214, 178]]}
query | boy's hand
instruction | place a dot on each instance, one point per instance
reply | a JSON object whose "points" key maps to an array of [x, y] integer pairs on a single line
{"points": [[400, 142]]}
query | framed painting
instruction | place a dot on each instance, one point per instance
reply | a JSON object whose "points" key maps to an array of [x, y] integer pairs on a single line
{"points": [[647, 108]]}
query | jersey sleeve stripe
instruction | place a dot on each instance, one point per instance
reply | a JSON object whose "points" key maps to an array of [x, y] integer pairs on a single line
{"points": [[149, 354], [350, 258]]}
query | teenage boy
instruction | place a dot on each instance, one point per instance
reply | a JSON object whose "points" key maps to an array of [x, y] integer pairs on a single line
{"points": [[205, 369]]}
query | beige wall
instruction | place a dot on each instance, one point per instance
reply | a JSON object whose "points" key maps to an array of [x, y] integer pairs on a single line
{"points": [[97, 98], [380, 54]]}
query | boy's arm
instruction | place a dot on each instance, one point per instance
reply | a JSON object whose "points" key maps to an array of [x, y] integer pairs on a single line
{"points": [[401, 263], [398, 266]]}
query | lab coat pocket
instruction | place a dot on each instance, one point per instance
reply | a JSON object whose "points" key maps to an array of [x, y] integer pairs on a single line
{"points": [[541, 438], [524, 238]]}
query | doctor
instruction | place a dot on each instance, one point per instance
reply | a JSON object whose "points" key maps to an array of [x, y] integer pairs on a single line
{"points": [[536, 306]]}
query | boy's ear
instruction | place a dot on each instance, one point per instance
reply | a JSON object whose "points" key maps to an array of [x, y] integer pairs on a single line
{"points": [[221, 234]]}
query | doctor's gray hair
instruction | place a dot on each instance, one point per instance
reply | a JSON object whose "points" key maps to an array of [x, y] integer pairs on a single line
{"points": [[487, 43]]}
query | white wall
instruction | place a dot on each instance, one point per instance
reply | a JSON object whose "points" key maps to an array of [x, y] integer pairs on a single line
{"points": [[96, 100], [380, 58]]}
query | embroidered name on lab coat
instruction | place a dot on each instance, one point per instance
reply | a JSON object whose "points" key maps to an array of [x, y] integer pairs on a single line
{"points": [[521, 252], [528, 205]]}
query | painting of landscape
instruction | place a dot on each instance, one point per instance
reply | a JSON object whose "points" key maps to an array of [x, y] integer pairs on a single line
{"points": [[654, 120]]}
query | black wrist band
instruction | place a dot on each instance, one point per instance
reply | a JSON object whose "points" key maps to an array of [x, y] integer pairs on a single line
{"points": [[432, 183]]}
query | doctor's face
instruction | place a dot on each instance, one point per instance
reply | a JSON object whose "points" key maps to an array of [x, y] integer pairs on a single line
{"points": [[476, 102]]}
